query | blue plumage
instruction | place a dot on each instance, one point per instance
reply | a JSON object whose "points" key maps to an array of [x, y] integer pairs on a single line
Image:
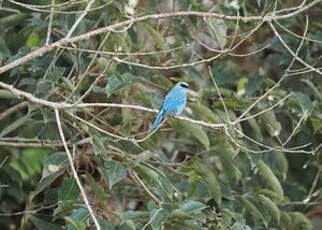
{"points": [[173, 103]]}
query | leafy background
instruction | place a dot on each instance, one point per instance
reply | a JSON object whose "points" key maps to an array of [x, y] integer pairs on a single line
{"points": [[259, 173]]}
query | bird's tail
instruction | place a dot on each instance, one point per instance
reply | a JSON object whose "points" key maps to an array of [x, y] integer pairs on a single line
{"points": [[158, 119]]}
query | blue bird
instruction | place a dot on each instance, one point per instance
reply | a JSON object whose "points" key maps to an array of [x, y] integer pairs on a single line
{"points": [[173, 103]]}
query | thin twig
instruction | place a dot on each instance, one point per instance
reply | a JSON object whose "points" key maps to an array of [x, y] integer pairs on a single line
{"points": [[300, 46], [98, 227], [258, 100], [80, 80], [295, 128], [80, 18], [30, 145], [29, 211], [221, 99], [68, 3], [137, 178], [125, 54], [50, 23], [38, 9], [101, 130], [290, 51], [4, 161], [151, 219], [64, 41], [297, 35], [13, 109], [315, 181], [266, 110]]}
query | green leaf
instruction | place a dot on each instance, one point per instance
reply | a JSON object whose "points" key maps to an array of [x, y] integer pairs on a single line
{"points": [[315, 90], [282, 163], [129, 215], [78, 219], [270, 179], [305, 103], [54, 165], [33, 40], [157, 36], [43, 87], [116, 83], [44, 224], [272, 125], [115, 172], [252, 209], [253, 84], [4, 49], [227, 160], [190, 129], [257, 131], [224, 76], [68, 190], [157, 217], [144, 171], [237, 216], [97, 188], [165, 187], [113, 84], [30, 161], [141, 94], [299, 221], [192, 206], [241, 85], [286, 220], [75, 225], [6, 94], [241, 226], [16, 124], [13, 19], [271, 207], [162, 81], [217, 30], [126, 114], [202, 112], [316, 124], [193, 74], [210, 180]]}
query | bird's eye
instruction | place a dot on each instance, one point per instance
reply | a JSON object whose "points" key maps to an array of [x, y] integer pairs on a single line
{"points": [[184, 85]]}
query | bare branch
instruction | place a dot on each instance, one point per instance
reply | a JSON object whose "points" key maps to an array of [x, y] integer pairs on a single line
{"points": [[291, 52], [71, 163], [125, 54], [29, 211], [50, 23], [80, 18], [30, 145], [39, 8], [68, 3], [13, 109], [137, 178]]}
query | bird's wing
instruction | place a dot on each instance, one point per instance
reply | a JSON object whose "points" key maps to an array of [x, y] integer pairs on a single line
{"points": [[180, 107], [165, 98], [172, 102]]}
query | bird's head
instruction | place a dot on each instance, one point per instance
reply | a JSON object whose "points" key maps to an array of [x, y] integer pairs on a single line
{"points": [[182, 86]]}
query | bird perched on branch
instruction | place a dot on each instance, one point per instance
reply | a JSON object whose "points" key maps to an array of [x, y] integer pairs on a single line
{"points": [[173, 103]]}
